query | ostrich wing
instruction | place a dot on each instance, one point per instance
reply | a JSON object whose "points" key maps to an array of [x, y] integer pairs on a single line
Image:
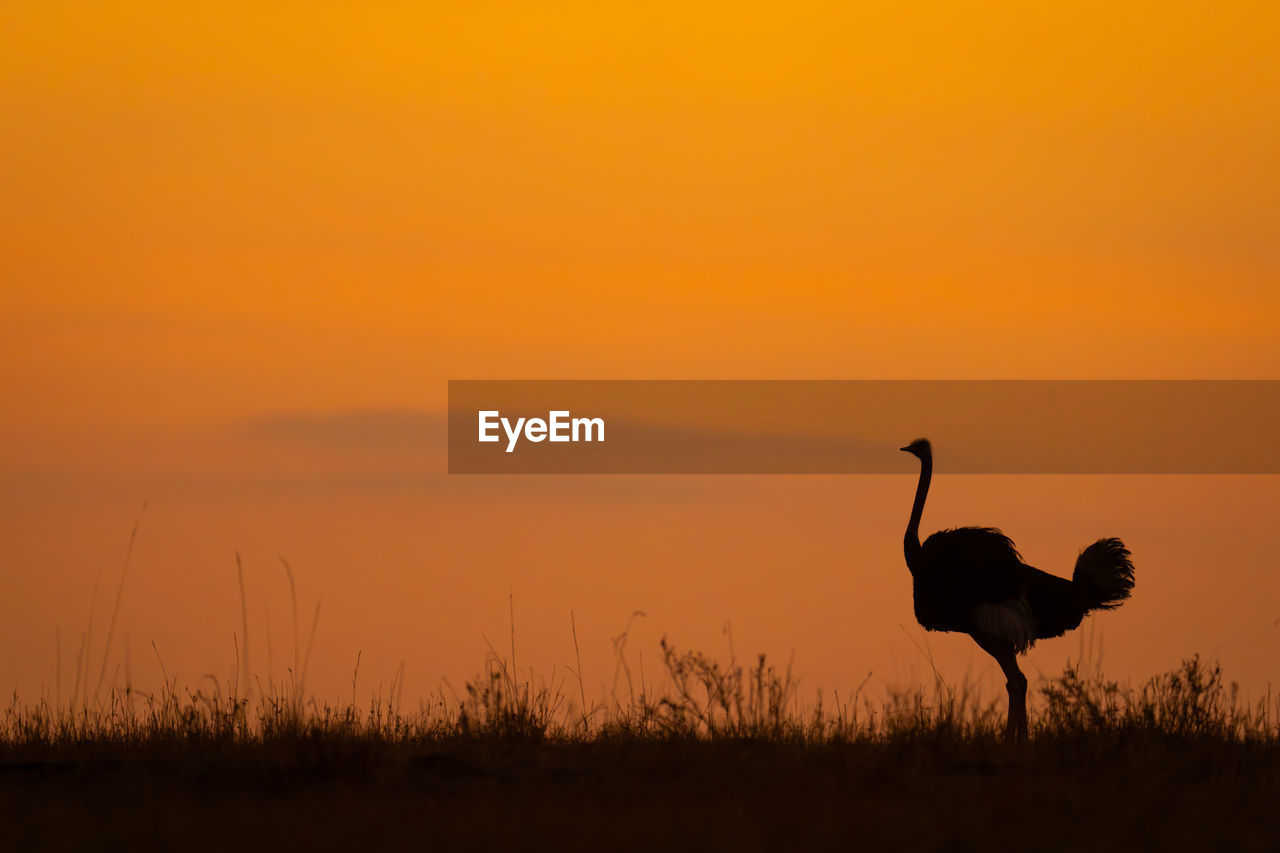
{"points": [[975, 582], [975, 565]]}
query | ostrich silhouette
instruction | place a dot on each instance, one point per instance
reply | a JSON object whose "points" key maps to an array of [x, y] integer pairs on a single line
{"points": [[972, 580]]}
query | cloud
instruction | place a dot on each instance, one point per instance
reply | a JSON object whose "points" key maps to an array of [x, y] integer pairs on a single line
{"points": [[355, 431]]}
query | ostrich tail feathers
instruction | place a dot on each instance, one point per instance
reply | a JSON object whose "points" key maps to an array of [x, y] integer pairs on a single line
{"points": [[1104, 573]]}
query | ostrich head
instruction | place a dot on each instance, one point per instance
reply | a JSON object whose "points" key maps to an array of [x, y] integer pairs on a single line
{"points": [[919, 448]]}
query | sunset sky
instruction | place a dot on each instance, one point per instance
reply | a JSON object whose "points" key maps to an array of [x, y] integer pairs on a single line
{"points": [[242, 250]]}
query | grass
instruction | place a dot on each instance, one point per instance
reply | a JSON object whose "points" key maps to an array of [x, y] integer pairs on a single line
{"points": [[699, 699], [714, 754]]}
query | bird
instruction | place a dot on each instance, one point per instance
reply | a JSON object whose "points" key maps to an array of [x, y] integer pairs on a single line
{"points": [[972, 580]]}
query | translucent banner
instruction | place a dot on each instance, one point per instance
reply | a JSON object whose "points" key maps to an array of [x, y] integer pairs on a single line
{"points": [[857, 426]]}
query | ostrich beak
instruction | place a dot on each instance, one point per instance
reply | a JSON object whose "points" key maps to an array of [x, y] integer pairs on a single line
{"points": [[907, 449]]}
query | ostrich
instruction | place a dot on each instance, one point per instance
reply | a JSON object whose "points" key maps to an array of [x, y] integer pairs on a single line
{"points": [[972, 580]]}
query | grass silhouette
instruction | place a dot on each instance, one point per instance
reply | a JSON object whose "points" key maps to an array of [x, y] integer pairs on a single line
{"points": [[714, 755], [700, 699]]}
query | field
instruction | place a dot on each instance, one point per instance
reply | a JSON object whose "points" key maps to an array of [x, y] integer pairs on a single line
{"points": [[719, 756]]}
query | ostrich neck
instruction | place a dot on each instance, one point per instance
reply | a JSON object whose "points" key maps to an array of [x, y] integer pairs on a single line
{"points": [[911, 542]]}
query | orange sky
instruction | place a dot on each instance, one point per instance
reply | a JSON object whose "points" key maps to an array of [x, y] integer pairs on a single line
{"points": [[216, 216]]}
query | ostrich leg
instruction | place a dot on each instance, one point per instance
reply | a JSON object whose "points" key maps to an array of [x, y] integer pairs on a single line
{"points": [[1015, 682]]}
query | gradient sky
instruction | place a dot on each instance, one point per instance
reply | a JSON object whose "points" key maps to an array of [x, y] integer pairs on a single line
{"points": [[219, 221]]}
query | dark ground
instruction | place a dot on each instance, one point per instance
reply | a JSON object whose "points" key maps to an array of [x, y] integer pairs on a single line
{"points": [[1060, 794]]}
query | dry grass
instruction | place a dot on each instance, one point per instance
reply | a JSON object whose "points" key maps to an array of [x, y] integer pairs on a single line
{"points": [[715, 755], [699, 698]]}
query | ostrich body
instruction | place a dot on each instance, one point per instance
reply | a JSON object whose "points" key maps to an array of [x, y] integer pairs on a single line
{"points": [[972, 580]]}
